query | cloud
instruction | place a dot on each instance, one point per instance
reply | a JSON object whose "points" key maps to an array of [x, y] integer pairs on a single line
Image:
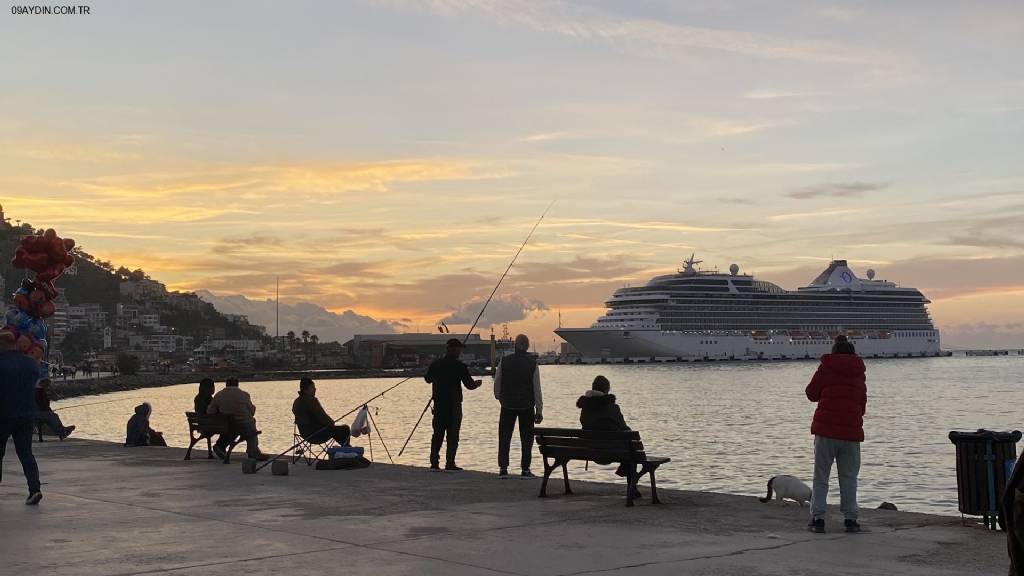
{"points": [[503, 308], [658, 39], [838, 190], [770, 94], [838, 14], [816, 214], [298, 316]]}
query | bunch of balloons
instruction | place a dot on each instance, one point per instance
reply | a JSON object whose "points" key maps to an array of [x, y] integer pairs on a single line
{"points": [[48, 255]]}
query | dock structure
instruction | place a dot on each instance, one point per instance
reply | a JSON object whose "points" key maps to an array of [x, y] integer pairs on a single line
{"points": [[116, 511]]}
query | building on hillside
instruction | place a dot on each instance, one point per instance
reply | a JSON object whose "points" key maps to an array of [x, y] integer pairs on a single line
{"points": [[185, 301], [143, 290], [167, 343], [149, 320], [58, 324], [239, 350], [86, 317], [415, 349]]}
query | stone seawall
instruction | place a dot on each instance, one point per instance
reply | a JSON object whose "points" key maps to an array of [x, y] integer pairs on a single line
{"points": [[91, 386]]}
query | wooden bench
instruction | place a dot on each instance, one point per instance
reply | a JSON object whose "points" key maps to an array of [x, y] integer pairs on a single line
{"points": [[561, 445], [205, 426]]}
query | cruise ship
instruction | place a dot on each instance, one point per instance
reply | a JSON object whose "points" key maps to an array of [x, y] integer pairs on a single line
{"points": [[709, 315]]}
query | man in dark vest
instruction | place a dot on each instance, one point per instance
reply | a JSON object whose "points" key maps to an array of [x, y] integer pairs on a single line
{"points": [[448, 375], [517, 388]]}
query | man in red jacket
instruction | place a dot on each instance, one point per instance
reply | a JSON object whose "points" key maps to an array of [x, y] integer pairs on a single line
{"points": [[838, 427]]}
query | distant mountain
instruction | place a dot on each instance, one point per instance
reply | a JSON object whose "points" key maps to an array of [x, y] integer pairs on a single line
{"points": [[328, 326]]}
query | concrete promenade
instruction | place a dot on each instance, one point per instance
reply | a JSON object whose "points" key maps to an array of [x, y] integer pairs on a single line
{"points": [[114, 510]]}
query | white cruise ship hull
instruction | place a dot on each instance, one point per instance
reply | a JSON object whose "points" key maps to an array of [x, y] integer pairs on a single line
{"points": [[596, 344]]}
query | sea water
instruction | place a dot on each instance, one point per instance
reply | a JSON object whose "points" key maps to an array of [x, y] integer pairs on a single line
{"points": [[728, 427]]}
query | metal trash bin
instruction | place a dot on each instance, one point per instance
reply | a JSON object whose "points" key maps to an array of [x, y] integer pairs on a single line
{"points": [[981, 471]]}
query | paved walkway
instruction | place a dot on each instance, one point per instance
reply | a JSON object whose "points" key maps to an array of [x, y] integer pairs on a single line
{"points": [[114, 510]]}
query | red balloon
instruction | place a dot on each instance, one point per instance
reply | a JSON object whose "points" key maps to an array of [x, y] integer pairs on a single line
{"points": [[36, 262], [21, 302], [69, 244], [50, 234], [56, 250], [69, 260], [45, 309], [23, 343]]}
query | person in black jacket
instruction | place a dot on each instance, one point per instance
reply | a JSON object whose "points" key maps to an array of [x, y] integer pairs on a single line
{"points": [[205, 395], [311, 418], [598, 410], [448, 375], [46, 413]]}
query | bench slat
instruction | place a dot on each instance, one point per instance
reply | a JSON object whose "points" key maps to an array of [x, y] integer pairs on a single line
{"points": [[617, 444], [591, 454], [588, 434]]}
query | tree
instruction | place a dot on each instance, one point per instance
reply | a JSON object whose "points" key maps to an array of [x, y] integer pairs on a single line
{"points": [[305, 345], [314, 339], [290, 339], [128, 364]]}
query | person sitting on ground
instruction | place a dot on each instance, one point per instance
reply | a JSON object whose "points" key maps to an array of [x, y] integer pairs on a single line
{"points": [[235, 402], [311, 418], [598, 411], [138, 431], [205, 395], [46, 414]]}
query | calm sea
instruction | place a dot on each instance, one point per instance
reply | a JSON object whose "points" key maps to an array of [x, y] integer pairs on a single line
{"points": [[728, 427]]}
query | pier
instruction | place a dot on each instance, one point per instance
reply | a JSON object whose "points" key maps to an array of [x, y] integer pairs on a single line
{"points": [[116, 511]]}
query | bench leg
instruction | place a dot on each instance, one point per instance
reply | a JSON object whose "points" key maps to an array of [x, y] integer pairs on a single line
{"points": [[654, 487], [544, 483], [188, 453], [630, 485], [565, 477], [209, 449]]}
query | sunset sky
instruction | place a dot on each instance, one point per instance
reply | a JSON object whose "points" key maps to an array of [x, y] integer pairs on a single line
{"points": [[388, 157]]}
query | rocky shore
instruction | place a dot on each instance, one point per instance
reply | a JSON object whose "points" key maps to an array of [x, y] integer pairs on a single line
{"points": [[102, 385]]}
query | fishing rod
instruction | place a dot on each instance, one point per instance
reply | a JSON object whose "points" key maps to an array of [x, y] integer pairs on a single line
{"points": [[404, 380], [95, 403], [478, 316]]}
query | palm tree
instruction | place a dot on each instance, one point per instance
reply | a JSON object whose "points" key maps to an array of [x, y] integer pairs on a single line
{"points": [[305, 344], [290, 338], [314, 339]]}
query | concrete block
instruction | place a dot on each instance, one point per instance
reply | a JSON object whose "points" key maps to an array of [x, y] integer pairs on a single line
{"points": [[248, 466], [279, 468]]}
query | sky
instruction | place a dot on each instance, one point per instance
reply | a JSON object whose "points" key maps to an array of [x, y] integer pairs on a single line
{"points": [[389, 157]]}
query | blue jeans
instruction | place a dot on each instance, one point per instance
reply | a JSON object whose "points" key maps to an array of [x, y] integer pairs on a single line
{"points": [[846, 455], [21, 430]]}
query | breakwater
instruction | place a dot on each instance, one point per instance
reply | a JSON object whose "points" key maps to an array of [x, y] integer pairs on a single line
{"points": [[63, 389]]}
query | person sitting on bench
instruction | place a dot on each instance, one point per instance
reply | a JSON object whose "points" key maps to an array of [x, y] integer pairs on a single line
{"points": [[311, 418], [598, 411], [138, 431], [235, 402], [46, 414], [205, 395]]}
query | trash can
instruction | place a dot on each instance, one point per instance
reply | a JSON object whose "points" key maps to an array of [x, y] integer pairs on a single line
{"points": [[981, 471]]}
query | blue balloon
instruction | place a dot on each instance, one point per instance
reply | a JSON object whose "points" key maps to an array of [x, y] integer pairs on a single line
{"points": [[38, 329]]}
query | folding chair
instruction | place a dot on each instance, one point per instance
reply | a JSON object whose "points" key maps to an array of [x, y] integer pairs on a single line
{"points": [[308, 451]]}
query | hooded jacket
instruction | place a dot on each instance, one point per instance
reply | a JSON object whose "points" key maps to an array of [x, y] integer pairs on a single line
{"points": [[841, 392], [137, 433], [18, 375], [598, 411]]}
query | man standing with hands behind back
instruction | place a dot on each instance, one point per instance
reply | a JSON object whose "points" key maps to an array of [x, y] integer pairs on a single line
{"points": [[447, 375], [517, 388]]}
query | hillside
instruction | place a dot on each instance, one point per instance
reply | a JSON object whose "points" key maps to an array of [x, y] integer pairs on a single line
{"points": [[149, 317]]}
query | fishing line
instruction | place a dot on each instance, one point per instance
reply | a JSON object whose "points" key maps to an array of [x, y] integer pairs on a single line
{"points": [[403, 381], [478, 316]]}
